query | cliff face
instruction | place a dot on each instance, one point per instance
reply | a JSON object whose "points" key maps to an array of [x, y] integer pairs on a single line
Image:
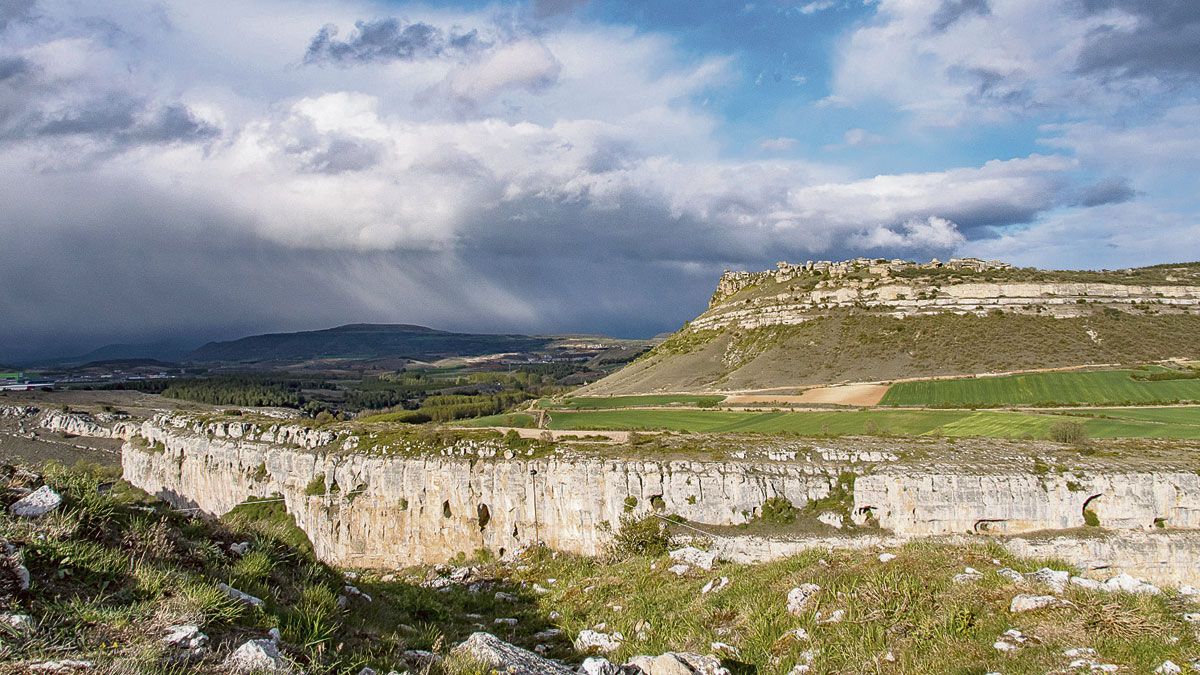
{"points": [[918, 503], [918, 299], [389, 511], [385, 511]]}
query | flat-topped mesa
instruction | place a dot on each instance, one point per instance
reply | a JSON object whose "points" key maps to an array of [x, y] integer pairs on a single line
{"points": [[731, 282]]}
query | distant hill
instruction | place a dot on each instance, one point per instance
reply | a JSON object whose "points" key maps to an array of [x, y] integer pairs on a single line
{"points": [[875, 320], [167, 351], [364, 341]]}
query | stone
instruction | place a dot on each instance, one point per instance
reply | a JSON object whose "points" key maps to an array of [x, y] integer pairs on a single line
{"points": [[354, 592], [19, 623], [836, 616], [1129, 584], [505, 658], [968, 575], [244, 598], [1028, 603], [240, 548], [725, 649], [367, 670], [798, 598], [186, 636], [505, 621], [420, 658], [275, 635], [678, 663], [832, 519], [679, 570], [1055, 579], [37, 503], [1090, 584], [886, 557], [1010, 640], [1192, 617], [595, 665], [714, 585], [501, 596], [257, 656], [60, 666], [693, 556], [1011, 574], [548, 634], [592, 641], [1168, 667]]}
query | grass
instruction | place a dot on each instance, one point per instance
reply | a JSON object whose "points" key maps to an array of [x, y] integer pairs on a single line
{"points": [[1184, 424], [610, 402], [1099, 387], [111, 570]]}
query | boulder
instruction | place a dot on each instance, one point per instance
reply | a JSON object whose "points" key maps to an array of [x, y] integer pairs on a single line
{"points": [[1055, 579], [799, 596], [693, 556], [595, 665], [591, 641], [505, 658], [244, 598], [1028, 603], [1130, 584], [37, 503], [257, 656], [186, 636]]}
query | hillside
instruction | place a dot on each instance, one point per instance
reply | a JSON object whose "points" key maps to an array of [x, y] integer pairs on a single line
{"points": [[365, 341], [824, 323]]}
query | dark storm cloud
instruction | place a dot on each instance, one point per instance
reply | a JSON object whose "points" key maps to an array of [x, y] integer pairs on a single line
{"points": [[12, 67], [1107, 191], [386, 40], [118, 121], [13, 11], [1165, 42], [951, 11]]}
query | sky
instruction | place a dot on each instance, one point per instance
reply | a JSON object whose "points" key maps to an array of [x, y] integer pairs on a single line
{"points": [[186, 170]]}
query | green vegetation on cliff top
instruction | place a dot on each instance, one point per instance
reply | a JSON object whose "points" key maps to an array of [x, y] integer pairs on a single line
{"points": [[1100, 387]]}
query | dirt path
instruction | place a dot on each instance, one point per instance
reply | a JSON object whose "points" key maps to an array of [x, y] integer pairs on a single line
{"points": [[850, 394]]}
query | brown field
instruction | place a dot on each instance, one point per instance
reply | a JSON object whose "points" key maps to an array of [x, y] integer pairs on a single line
{"points": [[850, 394]]}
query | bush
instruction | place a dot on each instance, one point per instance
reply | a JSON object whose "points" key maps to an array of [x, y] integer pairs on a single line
{"points": [[1067, 432], [315, 487], [1090, 518], [778, 510], [646, 536]]}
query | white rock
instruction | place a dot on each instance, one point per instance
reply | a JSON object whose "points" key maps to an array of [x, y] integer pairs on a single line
{"points": [[257, 656], [679, 570], [1055, 579], [501, 596], [1077, 652], [714, 585], [420, 658], [1168, 667], [354, 592], [886, 557], [548, 634], [186, 636], [596, 665], [19, 623], [506, 658], [367, 670], [61, 666], [1192, 617], [240, 548], [1130, 584], [832, 519], [1090, 584], [37, 503], [968, 575], [1011, 574], [1010, 640], [504, 622], [725, 649], [591, 641], [275, 635], [798, 597], [797, 634], [1028, 603], [244, 598], [693, 556], [836, 616]]}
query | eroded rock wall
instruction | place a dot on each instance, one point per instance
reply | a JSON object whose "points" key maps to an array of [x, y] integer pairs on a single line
{"points": [[922, 503], [389, 511]]}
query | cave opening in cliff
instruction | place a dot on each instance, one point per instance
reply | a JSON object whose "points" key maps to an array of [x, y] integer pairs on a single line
{"points": [[485, 516]]}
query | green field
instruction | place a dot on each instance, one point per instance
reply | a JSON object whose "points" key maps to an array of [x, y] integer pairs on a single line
{"points": [[607, 402], [1099, 387], [1179, 423]]}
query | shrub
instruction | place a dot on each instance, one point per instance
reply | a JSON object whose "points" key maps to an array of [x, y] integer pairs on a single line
{"points": [[1067, 432], [641, 536], [1090, 518], [315, 487], [778, 510]]}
